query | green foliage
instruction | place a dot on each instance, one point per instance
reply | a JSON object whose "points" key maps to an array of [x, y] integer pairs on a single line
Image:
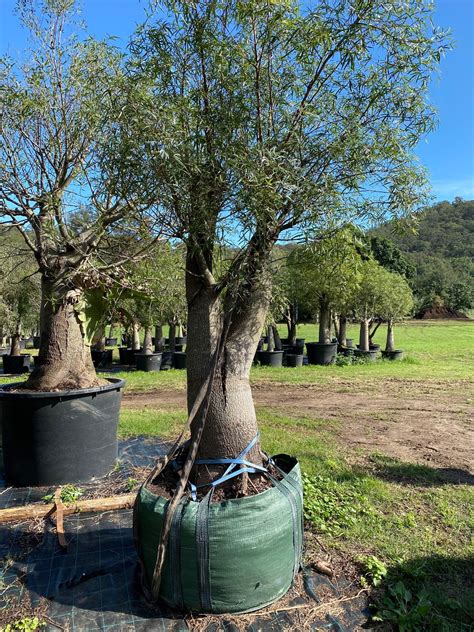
{"points": [[396, 300], [27, 624], [391, 257], [69, 494]]}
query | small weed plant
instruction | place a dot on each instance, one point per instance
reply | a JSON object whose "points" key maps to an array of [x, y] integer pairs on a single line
{"points": [[69, 494], [27, 624]]}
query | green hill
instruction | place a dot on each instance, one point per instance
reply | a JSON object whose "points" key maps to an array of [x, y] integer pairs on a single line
{"points": [[441, 252]]}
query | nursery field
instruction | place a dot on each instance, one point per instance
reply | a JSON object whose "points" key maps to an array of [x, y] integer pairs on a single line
{"points": [[387, 452]]}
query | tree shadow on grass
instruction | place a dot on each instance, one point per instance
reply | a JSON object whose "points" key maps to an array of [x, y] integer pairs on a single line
{"points": [[396, 471], [428, 593]]}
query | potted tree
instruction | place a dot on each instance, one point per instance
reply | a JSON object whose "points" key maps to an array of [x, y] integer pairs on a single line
{"points": [[249, 126], [367, 303], [329, 269], [396, 303], [57, 116]]}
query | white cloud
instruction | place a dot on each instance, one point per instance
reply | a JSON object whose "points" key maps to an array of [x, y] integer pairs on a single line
{"points": [[449, 189]]}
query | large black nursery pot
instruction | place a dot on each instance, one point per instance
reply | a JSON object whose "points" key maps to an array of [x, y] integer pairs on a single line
{"points": [[59, 437], [270, 358], [321, 353], [179, 360], [370, 355], [148, 362], [15, 365], [232, 556], [349, 343], [101, 358], [127, 355], [392, 355], [294, 359]]}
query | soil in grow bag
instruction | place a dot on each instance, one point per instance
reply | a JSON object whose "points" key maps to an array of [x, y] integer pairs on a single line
{"points": [[232, 556]]}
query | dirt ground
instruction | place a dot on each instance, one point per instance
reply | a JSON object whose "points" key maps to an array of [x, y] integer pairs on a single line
{"points": [[423, 423]]}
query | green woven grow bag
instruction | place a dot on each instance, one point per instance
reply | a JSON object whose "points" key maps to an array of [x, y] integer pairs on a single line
{"points": [[234, 556]]}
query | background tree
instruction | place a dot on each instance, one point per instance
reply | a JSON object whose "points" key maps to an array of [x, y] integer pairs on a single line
{"points": [[327, 270], [369, 298], [57, 111], [396, 303]]}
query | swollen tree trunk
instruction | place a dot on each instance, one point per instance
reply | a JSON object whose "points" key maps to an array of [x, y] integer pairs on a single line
{"points": [[364, 335], [342, 334], [390, 344], [64, 357], [159, 341], [136, 337], [324, 323], [231, 422], [111, 331], [15, 349], [291, 323], [147, 343], [270, 338], [276, 338]]}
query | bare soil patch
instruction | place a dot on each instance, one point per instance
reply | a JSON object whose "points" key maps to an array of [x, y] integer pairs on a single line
{"points": [[426, 423]]}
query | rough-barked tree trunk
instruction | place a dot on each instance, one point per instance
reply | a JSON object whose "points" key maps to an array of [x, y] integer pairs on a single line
{"points": [[64, 357], [364, 335], [147, 343], [159, 340], [231, 422], [390, 344], [270, 339], [324, 322], [342, 333]]}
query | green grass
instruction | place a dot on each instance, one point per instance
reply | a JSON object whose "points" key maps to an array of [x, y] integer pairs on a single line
{"points": [[409, 516]]}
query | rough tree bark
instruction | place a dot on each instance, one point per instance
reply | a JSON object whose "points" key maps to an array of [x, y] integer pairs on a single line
{"points": [[364, 335], [172, 336], [64, 357], [291, 323], [324, 322], [276, 338], [390, 344]]}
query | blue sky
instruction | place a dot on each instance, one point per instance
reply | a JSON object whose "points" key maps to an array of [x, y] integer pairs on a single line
{"points": [[448, 153]]}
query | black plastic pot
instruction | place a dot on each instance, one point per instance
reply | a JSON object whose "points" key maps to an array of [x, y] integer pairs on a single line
{"points": [[111, 342], [148, 362], [181, 340], [348, 351], [270, 358], [127, 356], [100, 358], [349, 343], [167, 360], [15, 365], [392, 355], [370, 355], [179, 360], [374, 347], [321, 353], [294, 359], [59, 437]]}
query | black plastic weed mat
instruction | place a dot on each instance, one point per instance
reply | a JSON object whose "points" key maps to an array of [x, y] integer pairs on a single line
{"points": [[94, 583]]}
